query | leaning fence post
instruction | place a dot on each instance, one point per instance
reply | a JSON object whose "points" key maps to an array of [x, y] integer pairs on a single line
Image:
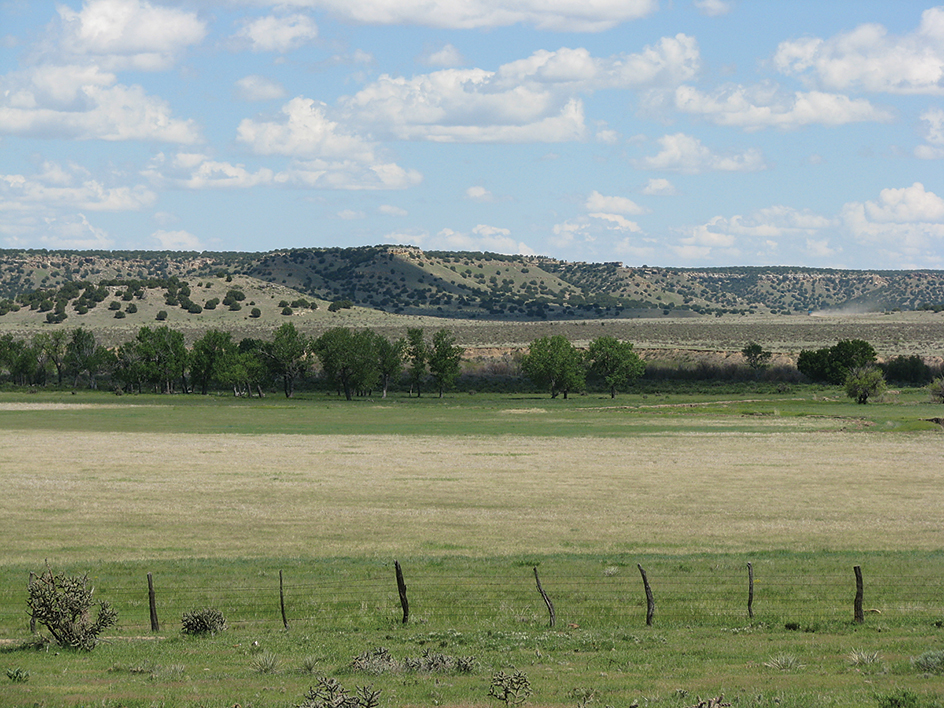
{"points": [[282, 601], [650, 602], [32, 619], [401, 588], [859, 616], [152, 605], [547, 600], [750, 591]]}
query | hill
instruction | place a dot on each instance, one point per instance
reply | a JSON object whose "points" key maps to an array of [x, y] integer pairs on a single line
{"points": [[37, 287]]}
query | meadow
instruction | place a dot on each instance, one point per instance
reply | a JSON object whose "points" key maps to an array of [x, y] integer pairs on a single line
{"points": [[470, 493]]}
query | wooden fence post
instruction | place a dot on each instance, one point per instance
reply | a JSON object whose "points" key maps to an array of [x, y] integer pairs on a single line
{"points": [[750, 591], [32, 579], [547, 600], [650, 602], [859, 616], [401, 588], [282, 601], [152, 605]]}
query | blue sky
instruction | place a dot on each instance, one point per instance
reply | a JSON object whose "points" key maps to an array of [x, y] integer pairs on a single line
{"points": [[660, 132]]}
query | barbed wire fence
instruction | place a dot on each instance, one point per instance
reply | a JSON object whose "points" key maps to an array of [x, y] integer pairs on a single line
{"points": [[617, 597]]}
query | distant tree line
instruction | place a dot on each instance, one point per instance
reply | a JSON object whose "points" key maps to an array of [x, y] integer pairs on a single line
{"points": [[359, 363]]}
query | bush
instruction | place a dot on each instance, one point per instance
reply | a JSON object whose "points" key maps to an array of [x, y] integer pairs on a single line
{"points": [[114, 305], [161, 316], [936, 390], [865, 382], [340, 305], [287, 311], [255, 312], [931, 662], [63, 603], [209, 620], [329, 693]]}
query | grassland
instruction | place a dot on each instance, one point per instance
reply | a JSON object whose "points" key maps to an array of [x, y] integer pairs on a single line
{"points": [[216, 496]]}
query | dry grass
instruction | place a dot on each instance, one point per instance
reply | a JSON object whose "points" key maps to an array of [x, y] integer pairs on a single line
{"points": [[119, 496]]}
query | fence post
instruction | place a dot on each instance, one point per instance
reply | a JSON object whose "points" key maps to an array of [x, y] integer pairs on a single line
{"points": [[750, 591], [282, 601], [152, 605], [32, 580], [547, 600], [859, 616], [650, 602], [401, 588]]}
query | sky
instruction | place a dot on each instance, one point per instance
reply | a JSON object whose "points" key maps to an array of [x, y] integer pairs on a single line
{"points": [[676, 133]]}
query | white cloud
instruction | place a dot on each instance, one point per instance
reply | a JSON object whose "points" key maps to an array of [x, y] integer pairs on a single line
{"points": [[908, 205], [125, 34], [479, 194], [85, 103], [616, 222], [616, 205], [607, 136], [554, 15], [869, 59], [482, 238], [934, 135], [350, 215], [536, 99], [446, 56], [47, 229], [686, 154], [69, 187], [278, 34], [177, 241], [259, 88], [391, 210], [767, 106], [659, 187], [714, 8]]}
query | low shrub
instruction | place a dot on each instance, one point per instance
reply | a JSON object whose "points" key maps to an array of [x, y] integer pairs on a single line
{"points": [[931, 662], [63, 604], [209, 620]]}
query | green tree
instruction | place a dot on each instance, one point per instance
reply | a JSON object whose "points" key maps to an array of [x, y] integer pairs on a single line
{"points": [[53, 345], [865, 382], [417, 354], [389, 359], [287, 353], [348, 359], [833, 364], [162, 356], [85, 356], [206, 358], [444, 359], [554, 363], [614, 362], [756, 356], [244, 367]]}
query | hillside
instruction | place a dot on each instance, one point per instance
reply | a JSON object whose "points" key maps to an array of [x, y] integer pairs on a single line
{"points": [[42, 286]]}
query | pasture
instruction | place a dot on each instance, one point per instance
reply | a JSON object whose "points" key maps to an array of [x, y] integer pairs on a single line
{"points": [[216, 496]]}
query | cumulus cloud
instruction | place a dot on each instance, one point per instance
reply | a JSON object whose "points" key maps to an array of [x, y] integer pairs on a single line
{"points": [[177, 241], [391, 210], [124, 34], [350, 215], [713, 8], [869, 59], [536, 99], [277, 34], [85, 103], [481, 238], [767, 106], [191, 170], [258, 88], [659, 187], [446, 56], [479, 194], [686, 154], [554, 15], [934, 135], [616, 205], [69, 187], [54, 231]]}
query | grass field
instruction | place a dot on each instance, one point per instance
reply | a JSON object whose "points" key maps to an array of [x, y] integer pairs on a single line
{"points": [[470, 493]]}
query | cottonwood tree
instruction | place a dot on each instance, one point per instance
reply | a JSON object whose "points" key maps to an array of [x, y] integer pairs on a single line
{"points": [[389, 359], [207, 356], [614, 362], [348, 359], [865, 382], [417, 354], [287, 353], [444, 359], [554, 363], [85, 355], [756, 356], [833, 364]]}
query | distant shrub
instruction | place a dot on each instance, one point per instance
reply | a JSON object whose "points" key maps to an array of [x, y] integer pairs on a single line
{"points": [[209, 620], [114, 305], [340, 305], [194, 309], [287, 311], [235, 307], [255, 312], [120, 315], [936, 390], [931, 662], [161, 316], [131, 308]]}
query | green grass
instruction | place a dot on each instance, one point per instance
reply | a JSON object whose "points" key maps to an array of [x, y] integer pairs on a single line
{"points": [[215, 496]]}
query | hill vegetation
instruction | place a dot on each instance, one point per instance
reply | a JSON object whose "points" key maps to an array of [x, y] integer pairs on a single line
{"points": [[406, 280]]}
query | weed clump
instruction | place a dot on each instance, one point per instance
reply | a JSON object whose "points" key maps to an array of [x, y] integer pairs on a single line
{"points": [[329, 693], [209, 620], [511, 689], [931, 662], [379, 661]]}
